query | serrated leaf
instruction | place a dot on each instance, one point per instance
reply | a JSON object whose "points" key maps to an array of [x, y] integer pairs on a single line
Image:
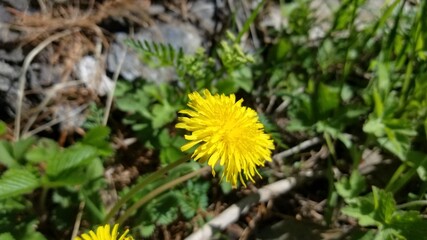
{"points": [[44, 150], [409, 224], [164, 208], [76, 155], [6, 157], [350, 188], [147, 230], [21, 147], [193, 197], [98, 138], [384, 205], [15, 182], [361, 208]]}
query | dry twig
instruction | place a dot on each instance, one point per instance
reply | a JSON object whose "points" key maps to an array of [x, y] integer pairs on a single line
{"points": [[111, 93], [232, 213], [304, 145], [22, 79]]}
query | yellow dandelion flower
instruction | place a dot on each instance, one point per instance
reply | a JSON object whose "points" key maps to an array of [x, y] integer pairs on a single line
{"points": [[225, 132], [103, 233]]}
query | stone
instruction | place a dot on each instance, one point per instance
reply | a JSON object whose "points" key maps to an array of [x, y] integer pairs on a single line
{"points": [[204, 12], [20, 5], [8, 74], [90, 72], [15, 55], [179, 35]]}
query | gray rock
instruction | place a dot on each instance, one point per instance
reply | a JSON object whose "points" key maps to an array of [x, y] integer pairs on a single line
{"points": [[5, 16], [8, 74], [179, 35], [90, 72], [6, 34], [21, 5], [15, 55], [8, 90], [204, 12], [42, 75]]}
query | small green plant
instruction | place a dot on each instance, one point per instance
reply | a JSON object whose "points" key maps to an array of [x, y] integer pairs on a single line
{"points": [[40, 174], [378, 209]]}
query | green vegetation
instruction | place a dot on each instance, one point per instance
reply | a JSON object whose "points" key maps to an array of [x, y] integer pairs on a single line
{"points": [[357, 88]]}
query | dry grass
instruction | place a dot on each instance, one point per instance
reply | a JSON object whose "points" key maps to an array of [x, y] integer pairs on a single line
{"points": [[85, 21]]}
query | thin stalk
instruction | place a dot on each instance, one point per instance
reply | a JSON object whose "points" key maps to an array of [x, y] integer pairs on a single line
{"points": [[21, 82], [416, 203], [249, 21], [396, 176], [43, 196], [111, 93], [332, 195], [402, 180], [158, 191], [159, 173], [93, 208]]}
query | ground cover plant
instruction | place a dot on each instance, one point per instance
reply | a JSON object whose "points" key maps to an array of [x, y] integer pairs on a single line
{"points": [[342, 116]]}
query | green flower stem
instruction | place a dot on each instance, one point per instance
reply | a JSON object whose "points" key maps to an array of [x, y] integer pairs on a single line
{"points": [[158, 191], [397, 174], [42, 203], [417, 203], [158, 174], [400, 178]]}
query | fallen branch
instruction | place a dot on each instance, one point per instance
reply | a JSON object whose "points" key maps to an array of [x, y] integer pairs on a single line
{"points": [[21, 82], [304, 145], [232, 213]]}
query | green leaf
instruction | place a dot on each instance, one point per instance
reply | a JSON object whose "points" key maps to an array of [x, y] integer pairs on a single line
{"points": [[163, 209], [418, 160], [409, 224], [328, 99], [6, 236], [373, 210], [243, 78], [378, 104], [15, 182], [350, 188], [10, 204], [146, 230], [162, 115], [226, 86], [193, 197], [383, 77], [44, 150], [226, 187], [21, 147], [75, 156], [374, 126], [6, 157], [170, 154], [384, 205], [98, 138], [362, 209], [3, 128], [13, 153]]}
